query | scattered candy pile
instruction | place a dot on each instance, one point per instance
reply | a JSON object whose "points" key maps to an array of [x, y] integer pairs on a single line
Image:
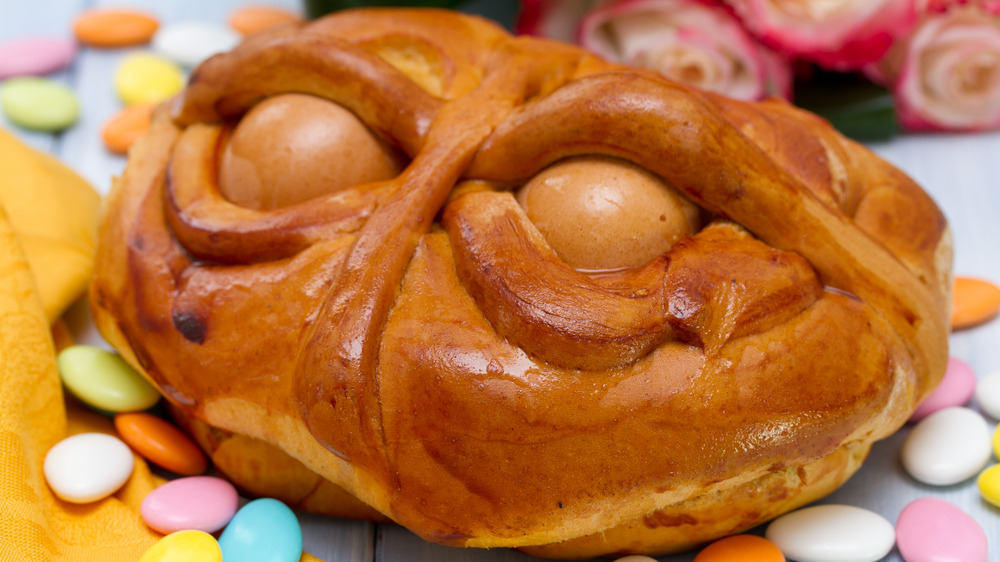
{"points": [[33, 101], [88, 467]]}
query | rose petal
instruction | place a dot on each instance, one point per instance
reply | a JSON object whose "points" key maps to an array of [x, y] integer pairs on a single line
{"points": [[842, 35], [693, 41], [944, 59], [555, 19]]}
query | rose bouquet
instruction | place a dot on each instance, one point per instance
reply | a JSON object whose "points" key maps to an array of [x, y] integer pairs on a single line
{"points": [[865, 64]]}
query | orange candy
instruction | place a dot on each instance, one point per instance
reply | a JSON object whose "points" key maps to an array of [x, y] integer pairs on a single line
{"points": [[741, 548], [114, 28], [161, 443], [252, 19], [126, 127], [62, 336], [974, 301]]}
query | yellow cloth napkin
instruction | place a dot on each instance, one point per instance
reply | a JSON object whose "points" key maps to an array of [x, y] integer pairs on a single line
{"points": [[47, 232], [47, 218], [53, 213]]}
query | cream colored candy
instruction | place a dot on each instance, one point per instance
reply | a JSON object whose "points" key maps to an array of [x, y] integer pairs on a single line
{"points": [[190, 43], [294, 147], [147, 78], [947, 447], [832, 533], [87, 467], [602, 213], [988, 394]]}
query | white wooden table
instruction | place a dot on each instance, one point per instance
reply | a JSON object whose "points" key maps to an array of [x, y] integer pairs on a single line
{"points": [[962, 172]]}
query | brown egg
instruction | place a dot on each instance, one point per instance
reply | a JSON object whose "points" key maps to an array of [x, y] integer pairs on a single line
{"points": [[294, 147], [602, 213]]}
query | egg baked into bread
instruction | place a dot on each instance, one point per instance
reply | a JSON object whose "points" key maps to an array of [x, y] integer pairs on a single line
{"points": [[402, 265]]}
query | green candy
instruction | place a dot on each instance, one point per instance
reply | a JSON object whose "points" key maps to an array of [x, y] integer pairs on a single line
{"points": [[37, 103], [104, 380]]}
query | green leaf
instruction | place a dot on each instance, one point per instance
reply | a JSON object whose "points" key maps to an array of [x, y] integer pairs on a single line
{"points": [[316, 8], [856, 107], [503, 12]]}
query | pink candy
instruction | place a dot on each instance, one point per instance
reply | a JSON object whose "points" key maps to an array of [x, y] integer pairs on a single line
{"points": [[956, 389], [933, 530], [35, 56], [201, 503]]}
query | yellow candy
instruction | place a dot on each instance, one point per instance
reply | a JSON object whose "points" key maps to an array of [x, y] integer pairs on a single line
{"points": [[147, 78], [184, 546], [989, 484]]}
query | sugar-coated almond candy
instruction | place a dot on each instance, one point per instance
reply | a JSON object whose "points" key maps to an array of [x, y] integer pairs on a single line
{"points": [[974, 301], [988, 394], [955, 389], [126, 127], [947, 447], [147, 78], [988, 483], [39, 104], [932, 530], [189, 43], [252, 19], [114, 27], [184, 546], [161, 443], [87, 467], [62, 336], [35, 56], [204, 503], [104, 380], [741, 547], [263, 529], [832, 533]]}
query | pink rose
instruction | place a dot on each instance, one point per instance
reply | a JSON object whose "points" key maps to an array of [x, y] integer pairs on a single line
{"points": [[946, 76], [837, 34], [697, 42], [555, 19], [941, 6]]}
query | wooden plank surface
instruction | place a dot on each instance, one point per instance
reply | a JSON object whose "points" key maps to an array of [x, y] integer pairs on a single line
{"points": [[962, 172]]}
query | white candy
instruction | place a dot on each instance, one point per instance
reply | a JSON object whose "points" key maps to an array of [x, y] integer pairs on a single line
{"points": [[87, 467], [190, 43], [988, 394], [947, 447], [832, 533]]}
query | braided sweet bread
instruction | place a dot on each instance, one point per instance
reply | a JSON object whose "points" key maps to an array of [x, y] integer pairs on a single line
{"points": [[400, 264]]}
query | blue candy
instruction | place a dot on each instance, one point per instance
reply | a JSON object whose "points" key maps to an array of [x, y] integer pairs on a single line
{"points": [[263, 530]]}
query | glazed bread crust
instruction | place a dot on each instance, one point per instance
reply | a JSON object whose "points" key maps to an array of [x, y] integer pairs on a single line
{"points": [[415, 343]]}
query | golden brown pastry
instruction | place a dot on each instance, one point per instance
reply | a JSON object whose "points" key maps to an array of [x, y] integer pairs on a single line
{"points": [[401, 264]]}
